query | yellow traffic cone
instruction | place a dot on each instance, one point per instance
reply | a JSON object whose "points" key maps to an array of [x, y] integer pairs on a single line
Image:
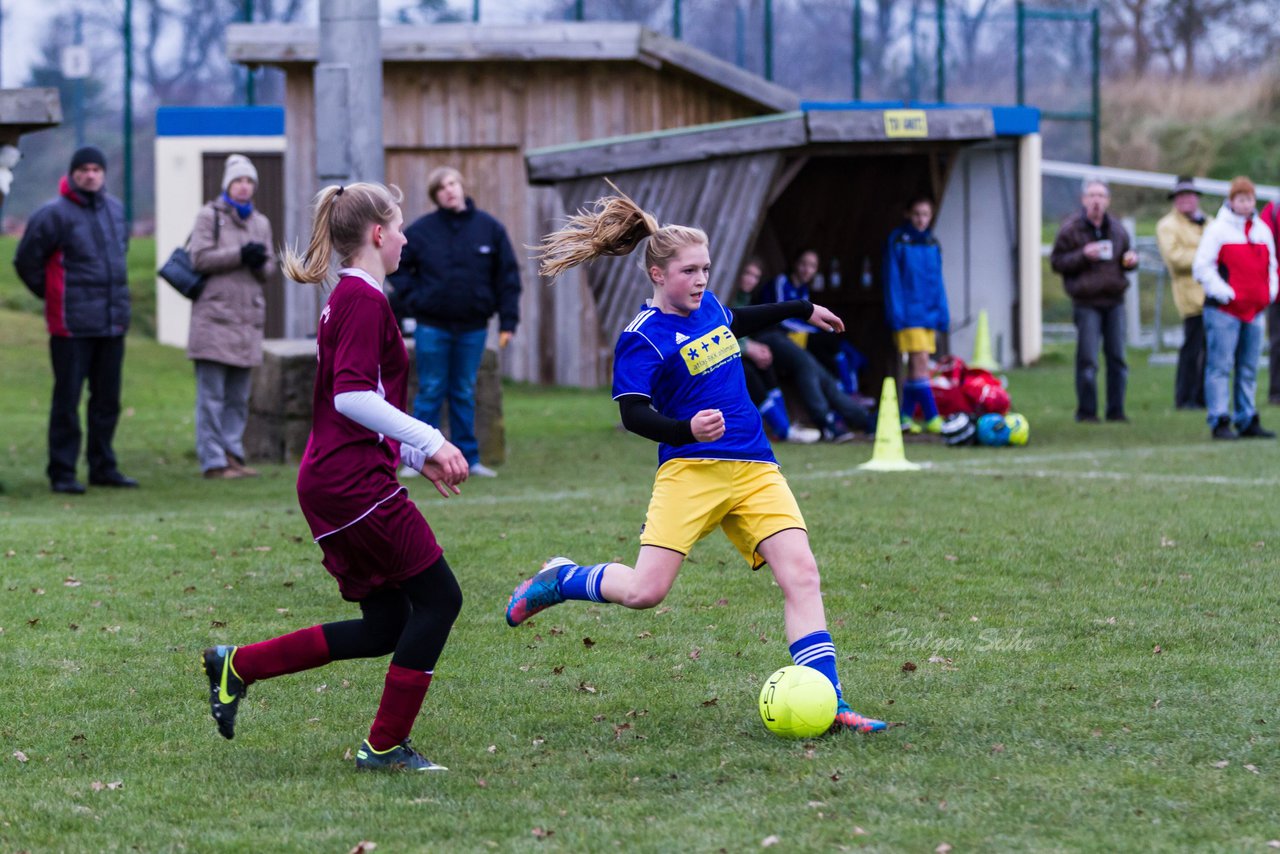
{"points": [[982, 357], [888, 453]]}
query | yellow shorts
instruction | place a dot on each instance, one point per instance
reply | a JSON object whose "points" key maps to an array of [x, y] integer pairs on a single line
{"points": [[749, 500], [914, 339]]}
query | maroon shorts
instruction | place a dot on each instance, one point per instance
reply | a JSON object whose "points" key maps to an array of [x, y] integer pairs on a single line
{"points": [[390, 545]]}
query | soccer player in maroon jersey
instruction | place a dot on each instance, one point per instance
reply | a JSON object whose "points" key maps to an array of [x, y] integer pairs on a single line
{"points": [[376, 543]]}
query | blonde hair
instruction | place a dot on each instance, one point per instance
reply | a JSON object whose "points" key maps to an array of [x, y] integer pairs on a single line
{"points": [[437, 177], [342, 216], [616, 225]]}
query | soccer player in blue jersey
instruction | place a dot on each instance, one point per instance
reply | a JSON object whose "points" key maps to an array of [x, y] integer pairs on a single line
{"points": [[678, 380]]}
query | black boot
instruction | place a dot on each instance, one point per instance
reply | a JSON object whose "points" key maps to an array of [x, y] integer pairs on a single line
{"points": [[1254, 430], [1222, 430]]}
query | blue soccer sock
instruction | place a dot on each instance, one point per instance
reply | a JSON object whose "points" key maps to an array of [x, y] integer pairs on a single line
{"points": [[774, 412], [924, 397], [910, 397], [848, 381], [817, 651], [581, 582]]}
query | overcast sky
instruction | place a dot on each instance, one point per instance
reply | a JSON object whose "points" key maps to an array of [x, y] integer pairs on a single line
{"points": [[25, 23]]}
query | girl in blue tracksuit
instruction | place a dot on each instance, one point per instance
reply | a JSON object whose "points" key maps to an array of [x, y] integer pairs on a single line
{"points": [[915, 299]]}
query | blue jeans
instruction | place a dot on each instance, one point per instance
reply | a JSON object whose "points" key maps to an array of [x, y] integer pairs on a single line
{"points": [[447, 366], [1231, 343], [1096, 325]]}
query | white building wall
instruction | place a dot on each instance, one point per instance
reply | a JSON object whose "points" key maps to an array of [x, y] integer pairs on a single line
{"points": [[977, 225]]}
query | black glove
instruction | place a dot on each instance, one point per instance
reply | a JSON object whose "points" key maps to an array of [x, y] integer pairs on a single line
{"points": [[253, 255]]}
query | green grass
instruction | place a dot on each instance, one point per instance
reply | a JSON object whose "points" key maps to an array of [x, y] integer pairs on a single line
{"points": [[1092, 620]]}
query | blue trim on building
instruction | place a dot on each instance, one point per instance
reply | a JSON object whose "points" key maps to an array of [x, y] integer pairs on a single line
{"points": [[220, 121], [1008, 121]]}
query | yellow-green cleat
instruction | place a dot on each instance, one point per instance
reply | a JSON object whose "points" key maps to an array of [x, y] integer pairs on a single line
{"points": [[225, 688], [402, 757]]}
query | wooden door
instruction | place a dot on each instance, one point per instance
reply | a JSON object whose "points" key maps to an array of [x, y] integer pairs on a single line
{"points": [[269, 199]]}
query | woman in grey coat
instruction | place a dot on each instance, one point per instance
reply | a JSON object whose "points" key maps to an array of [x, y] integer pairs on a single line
{"points": [[230, 244]]}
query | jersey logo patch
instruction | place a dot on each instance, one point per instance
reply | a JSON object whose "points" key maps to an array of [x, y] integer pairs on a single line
{"points": [[710, 351], [681, 338]]}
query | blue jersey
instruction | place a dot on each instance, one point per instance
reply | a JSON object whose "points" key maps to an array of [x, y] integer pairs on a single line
{"points": [[685, 365]]}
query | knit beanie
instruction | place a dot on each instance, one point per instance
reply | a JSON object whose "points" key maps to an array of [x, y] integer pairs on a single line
{"points": [[238, 166], [85, 156], [1242, 185]]}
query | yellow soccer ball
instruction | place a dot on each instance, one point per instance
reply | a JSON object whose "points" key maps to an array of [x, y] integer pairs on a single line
{"points": [[797, 702], [1019, 429]]}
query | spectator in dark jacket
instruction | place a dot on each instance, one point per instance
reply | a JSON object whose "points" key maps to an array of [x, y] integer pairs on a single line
{"points": [[1092, 254], [457, 270], [72, 256]]}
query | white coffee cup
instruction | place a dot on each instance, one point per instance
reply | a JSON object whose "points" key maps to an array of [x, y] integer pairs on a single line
{"points": [[1105, 250]]}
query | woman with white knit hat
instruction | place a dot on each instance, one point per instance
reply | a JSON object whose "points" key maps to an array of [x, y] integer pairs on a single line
{"points": [[230, 244]]}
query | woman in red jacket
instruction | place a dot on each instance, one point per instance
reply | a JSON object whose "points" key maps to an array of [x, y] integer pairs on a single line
{"points": [[1236, 266]]}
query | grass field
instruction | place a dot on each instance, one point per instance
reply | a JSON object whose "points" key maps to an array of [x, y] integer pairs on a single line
{"points": [[1091, 625]]}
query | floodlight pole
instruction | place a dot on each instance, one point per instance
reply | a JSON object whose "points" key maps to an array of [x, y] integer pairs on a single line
{"points": [[348, 93], [128, 112]]}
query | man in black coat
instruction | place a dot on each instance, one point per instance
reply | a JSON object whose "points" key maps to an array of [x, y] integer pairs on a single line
{"points": [[72, 256], [456, 271]]}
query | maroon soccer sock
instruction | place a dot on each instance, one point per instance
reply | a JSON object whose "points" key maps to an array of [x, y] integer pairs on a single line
{"points": [[291, 653], [402, 697]]}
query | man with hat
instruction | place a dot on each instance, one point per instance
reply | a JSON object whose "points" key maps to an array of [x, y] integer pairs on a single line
{"points": [[72, 256], [1178, 233]]}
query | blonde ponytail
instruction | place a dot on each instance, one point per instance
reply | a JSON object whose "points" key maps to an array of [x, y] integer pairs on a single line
{"points": [[342, 216], [616, 225]]}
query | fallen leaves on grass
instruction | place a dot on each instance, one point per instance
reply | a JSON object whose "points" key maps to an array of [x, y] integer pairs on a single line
{"points": [[712, 702], [1166, 543], [542, 833], [70, 581], [695, 653], [588, 643], [1157, 650], [586, 687], [644, 635], [908, 667], [1253, 769], [770, 841], [619, 729], [98, 785], [943, 848], [1222, 763], [364, 846], [20, 756]]}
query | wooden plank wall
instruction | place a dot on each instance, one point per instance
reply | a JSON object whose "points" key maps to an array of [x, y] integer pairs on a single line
{"points": [[480, 117], [724, 197]]}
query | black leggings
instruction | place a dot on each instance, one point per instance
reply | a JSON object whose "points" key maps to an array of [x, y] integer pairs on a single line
{"points": [[411, 622]]}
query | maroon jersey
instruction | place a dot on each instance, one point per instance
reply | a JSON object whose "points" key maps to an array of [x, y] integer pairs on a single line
{"points": [[347, 470]]}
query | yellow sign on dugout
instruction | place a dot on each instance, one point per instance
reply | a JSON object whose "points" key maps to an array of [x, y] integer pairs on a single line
{"points": [[905, 123]]}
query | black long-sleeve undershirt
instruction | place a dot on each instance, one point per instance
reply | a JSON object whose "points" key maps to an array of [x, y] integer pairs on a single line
{"points": [[639, 417], [753, 318]]}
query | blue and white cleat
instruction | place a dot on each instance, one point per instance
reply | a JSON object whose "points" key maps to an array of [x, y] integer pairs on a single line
{"points": [[847, 718], [537, 593]]}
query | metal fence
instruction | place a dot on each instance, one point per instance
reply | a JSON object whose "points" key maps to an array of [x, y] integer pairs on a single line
{"points": [[874, 51]]}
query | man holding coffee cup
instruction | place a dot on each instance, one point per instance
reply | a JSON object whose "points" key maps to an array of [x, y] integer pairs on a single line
{"points": [[1092, 254]]}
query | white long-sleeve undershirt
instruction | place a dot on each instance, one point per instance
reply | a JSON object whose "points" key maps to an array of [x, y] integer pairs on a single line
{"points": [[418, 441]]}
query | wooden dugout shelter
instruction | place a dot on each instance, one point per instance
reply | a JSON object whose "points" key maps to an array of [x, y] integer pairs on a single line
{"points": [[476, 97], [835, 178]]}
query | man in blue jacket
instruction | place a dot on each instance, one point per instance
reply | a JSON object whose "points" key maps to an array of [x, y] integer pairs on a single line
{"points": [[456, 271], [72, 256]]}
